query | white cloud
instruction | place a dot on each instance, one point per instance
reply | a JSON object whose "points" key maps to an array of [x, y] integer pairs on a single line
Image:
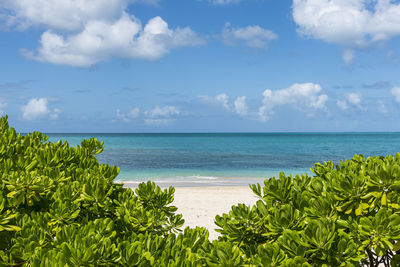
{"points": [[306, 97], [354, 99], [124, 38], [85, 32], [129, 116], [62, 15], [163, 112], [251, 36], [349, 23], [342, 105], [54, 114], [223, 99], [37, 108], [156, 116], [382, 107], [2, 106], [396, 93], [161, 115], [240, 106]]}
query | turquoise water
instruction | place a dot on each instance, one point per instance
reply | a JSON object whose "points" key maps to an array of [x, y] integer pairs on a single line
{"points": [[229, 159]]}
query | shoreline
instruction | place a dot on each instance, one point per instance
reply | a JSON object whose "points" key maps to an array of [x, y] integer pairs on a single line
{"points": [[200, 204], [198, 183]]}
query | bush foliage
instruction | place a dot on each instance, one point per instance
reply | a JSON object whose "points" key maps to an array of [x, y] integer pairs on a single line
{"points": [[346, 215], [60, 207]]}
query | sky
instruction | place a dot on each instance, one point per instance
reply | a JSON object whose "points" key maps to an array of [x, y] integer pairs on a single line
{"points": [[200, 65]]}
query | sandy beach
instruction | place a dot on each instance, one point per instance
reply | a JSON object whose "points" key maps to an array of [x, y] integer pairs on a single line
{"points": [[200, 205]]}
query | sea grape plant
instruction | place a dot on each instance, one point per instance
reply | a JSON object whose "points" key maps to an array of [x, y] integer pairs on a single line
{"points": [[60, 207], [345, 215]]}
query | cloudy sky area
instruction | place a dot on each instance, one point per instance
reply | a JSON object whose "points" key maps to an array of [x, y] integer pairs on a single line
{"points": [[200, 65]]}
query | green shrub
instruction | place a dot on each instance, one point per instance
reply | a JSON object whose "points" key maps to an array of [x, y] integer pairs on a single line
{"points": [[348, 215], [60, 207]]}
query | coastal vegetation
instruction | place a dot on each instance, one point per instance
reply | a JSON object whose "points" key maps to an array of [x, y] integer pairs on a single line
{"points": [[60, 207]]}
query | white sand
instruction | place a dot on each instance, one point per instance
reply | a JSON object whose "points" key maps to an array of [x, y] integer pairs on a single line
{"points": [[200, 205]]}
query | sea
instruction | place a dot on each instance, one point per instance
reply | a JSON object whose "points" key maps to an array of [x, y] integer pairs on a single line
{"points": [[227, 159]]}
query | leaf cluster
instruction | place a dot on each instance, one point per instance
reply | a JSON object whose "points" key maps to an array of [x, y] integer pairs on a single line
{"points": [[345, 215], [60, 207]]}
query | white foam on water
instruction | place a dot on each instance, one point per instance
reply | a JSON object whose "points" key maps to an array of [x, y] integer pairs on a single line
{"points": [[202, 177], [197, 181]]}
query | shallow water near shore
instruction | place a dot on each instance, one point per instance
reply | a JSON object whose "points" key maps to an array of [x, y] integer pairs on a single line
{"points": [[228, 158]]}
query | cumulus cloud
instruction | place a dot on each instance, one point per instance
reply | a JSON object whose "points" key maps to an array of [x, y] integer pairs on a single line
{"points": [[2, 106], [85, 32], [396, 93], [38, 108], [62, 15], [240, 106], [161, 115], [251, 36], [351, 99], [124, 38], [355, 99], [305, 97], [349, 23], [129, 116], [221, 99], [54, 114], [163, 112], [342, 104]]}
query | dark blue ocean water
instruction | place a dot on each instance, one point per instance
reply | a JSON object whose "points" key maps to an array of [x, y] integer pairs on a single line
{"points": [[232, 158]]}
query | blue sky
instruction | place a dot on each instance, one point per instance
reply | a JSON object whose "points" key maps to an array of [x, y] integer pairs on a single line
{"points": [[200, 66]]}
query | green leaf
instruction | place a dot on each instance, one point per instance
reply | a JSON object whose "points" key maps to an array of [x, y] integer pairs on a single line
{"points": [[383, 199]]}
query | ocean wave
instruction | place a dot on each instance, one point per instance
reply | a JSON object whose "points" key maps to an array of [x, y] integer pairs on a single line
{"points": [[199, 177], [176, 178]]}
